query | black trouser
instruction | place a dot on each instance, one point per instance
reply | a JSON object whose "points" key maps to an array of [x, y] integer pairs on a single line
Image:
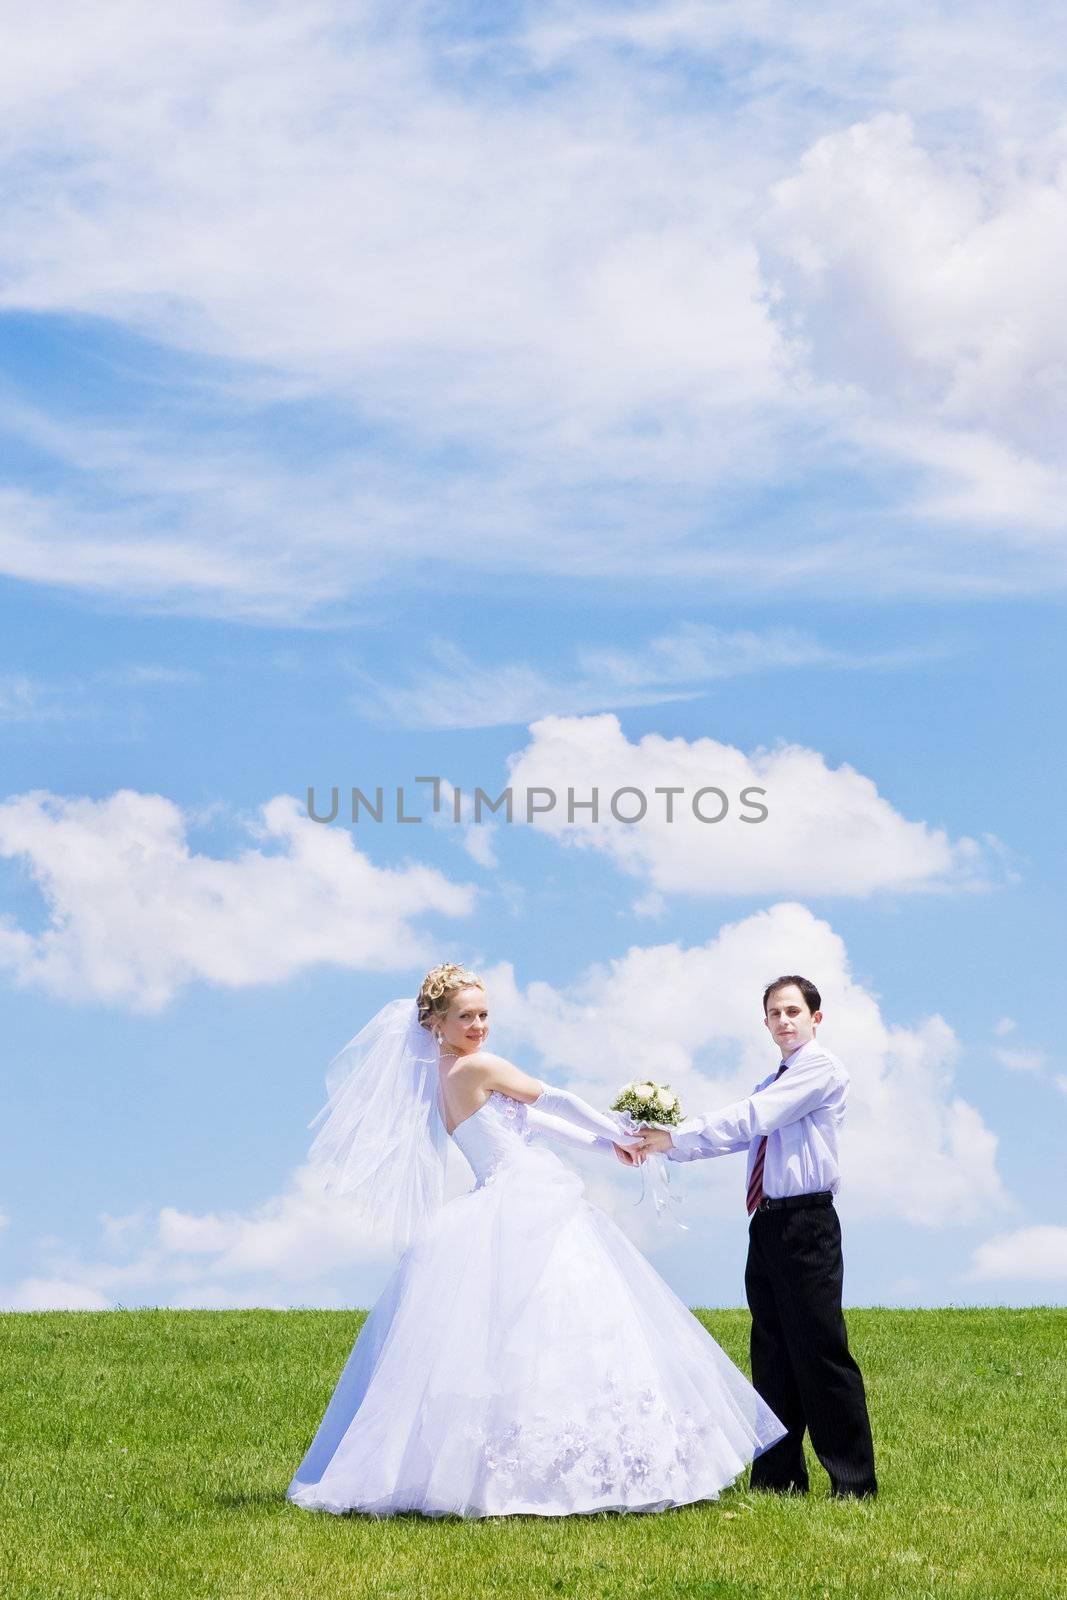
{"points": [[801, 1363]]}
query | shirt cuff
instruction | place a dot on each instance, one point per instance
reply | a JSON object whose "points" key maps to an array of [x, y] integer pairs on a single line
{"points": [[685, 1139]]}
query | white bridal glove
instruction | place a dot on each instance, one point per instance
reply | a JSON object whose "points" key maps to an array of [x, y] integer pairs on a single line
{"points": [[612, 1127], [542, 1125]]}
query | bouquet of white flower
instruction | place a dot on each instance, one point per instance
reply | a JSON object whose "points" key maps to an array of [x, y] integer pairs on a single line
{"points": [[650, 1102]]}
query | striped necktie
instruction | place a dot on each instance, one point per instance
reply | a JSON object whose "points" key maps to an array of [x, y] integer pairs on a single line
{"points": [[755, 1183]]}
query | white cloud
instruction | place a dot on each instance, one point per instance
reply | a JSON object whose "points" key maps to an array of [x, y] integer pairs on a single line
{"points": [[299, 1246], [299, 1234], [135, 913], [1022, 1060], [24, 699], [293, 1241], [1061, 1081], [478, 841], [148, 674], [912, 1147], [339, 141], [287, 195], [628, 301], [117, 1231], [90, 699], [930, 287], [53, 1294], [1037, 1252], [1005, 1026], [448, 807], [457, 692], [999, 56], [828, 830]]}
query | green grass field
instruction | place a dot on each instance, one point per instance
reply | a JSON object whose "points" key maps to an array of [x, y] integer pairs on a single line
{"points": [[146, 1454]]}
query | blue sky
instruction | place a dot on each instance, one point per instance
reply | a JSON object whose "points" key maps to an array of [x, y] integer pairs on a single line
{"points": [[613, 395]]}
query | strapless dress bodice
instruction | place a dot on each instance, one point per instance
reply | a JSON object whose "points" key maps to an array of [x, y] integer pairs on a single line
{"points": [[496, 1132]]}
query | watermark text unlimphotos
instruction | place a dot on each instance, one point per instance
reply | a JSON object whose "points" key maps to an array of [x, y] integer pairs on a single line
{"points": [[628, 804]]}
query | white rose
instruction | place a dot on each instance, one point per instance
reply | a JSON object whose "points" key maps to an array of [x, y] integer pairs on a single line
{"points": [[665, 1100], [647, 1091]]}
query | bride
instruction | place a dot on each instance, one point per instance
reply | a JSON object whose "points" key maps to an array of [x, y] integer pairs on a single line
{"points": [[524, 1357]]}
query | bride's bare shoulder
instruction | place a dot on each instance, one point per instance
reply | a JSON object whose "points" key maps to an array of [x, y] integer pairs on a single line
{"points": [[496, 1072], [488, 1071], [480, 1064]]}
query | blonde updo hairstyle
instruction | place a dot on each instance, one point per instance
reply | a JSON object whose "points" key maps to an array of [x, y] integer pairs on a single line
{"points": [[439, 987]]}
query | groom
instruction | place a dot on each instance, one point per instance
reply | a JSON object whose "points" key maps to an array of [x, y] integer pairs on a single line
{"points": [[801, 1363]]}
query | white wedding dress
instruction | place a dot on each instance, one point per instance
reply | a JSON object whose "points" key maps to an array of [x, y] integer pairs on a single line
{"points": [[525, 1358]]}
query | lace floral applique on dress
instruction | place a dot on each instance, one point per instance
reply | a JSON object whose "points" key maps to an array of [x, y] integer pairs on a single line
{"points": [[623, 1440], [513, 1111]]}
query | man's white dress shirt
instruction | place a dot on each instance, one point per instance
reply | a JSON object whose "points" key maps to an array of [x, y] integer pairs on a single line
{"points": [[800, 1113]]}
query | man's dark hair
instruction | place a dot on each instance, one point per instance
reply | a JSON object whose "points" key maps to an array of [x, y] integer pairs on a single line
{"points": [[812, 997]]}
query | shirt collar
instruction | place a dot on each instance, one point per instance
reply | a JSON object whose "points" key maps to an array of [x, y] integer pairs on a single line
{"points": [[789, 1059]]}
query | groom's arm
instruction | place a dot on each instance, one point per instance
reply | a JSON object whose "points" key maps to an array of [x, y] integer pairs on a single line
{"points": [[797, 1093]]}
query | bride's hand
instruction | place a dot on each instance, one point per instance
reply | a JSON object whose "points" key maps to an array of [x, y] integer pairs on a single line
{"points": [[629, 1155]]}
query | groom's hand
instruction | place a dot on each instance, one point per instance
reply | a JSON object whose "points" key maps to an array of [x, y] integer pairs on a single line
{"points": [[654, 1141]]}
